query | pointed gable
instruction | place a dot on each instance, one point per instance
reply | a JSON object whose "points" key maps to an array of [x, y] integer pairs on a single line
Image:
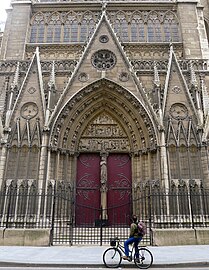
{"points": [[30, 102], [177, 101], [103, 57]]}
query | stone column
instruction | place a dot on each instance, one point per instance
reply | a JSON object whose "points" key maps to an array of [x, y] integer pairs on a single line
{"points": [[3, 158], [43, 161], [164, 168], [164, 162]]}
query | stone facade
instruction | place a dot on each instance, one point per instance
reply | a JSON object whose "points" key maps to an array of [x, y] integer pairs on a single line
{"points": [[105, 77]]}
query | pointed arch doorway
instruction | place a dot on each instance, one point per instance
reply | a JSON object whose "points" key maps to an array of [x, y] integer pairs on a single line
{"points": [[97, 200], [102, 119], [104, 180]]}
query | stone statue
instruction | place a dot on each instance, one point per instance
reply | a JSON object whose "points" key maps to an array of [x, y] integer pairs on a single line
{"points": [[103, 171]]}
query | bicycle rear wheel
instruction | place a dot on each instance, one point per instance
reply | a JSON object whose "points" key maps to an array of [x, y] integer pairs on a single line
{"points": [[145, 259], [112, 258]]}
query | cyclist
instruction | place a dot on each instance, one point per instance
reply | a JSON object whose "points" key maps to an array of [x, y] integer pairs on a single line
{"points": [[134, 237]]}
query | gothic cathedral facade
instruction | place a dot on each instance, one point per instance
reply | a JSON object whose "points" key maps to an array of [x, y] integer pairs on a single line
{"points": [[104, 99]]}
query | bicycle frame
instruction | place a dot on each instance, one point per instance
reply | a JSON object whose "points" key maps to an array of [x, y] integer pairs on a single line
{"points": [[112, 256], [121, 247]]}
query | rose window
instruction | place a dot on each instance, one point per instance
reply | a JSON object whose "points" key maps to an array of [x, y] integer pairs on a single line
{"points": [[103, 59]]}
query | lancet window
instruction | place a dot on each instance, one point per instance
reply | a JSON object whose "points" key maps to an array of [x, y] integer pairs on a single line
{"points": [[121, 26], [61, 27], [87, 26], [70, 28], [171, 27], [144, 26], [137, 28], [54, 29], [154, 31], [37, 29]]}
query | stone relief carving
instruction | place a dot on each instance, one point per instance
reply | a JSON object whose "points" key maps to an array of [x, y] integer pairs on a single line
{"points": [[104, 133], [124, 77], [176, 89], [83, 77], [178, 111], [29, 110], [31, 90]]}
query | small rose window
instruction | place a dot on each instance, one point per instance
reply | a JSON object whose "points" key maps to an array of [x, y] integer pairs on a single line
{"points": [[103, 59]]}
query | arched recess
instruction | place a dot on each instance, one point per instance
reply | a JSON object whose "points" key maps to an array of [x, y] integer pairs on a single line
{"points": [[103, 124], [98, 97]]}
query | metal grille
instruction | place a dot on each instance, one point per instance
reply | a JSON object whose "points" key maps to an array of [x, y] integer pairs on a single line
{"points": [[54, 209]]}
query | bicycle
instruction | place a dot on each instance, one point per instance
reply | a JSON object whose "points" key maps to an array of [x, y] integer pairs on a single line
{"points": [[112, 256]]}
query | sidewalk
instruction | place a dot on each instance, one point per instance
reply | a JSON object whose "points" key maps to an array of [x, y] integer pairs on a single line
{"points": [[91, 256]]}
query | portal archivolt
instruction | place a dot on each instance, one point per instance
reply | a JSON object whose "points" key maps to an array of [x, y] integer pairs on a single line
{"points": [[103, 116]]}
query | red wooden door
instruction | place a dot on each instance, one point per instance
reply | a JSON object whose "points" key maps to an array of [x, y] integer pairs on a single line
{"points": [[119, 189], [87, 189]]}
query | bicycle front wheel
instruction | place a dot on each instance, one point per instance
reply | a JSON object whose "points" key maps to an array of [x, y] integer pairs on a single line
{"points": [[145, 259], [112, 258]]}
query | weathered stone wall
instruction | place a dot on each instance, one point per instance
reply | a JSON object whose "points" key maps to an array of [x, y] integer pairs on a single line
{"points": [[24, 237], [177, 237], [16, 29], [189, 28]]}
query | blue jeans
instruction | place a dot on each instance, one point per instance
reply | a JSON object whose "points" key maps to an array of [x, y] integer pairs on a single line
{"points": [[129, 241]]}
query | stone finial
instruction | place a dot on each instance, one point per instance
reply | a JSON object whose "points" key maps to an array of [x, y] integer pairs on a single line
{"points": [[156, 76], [193, 79], [171, 46], [205, 96], [104, 6], [16, 76], [51, 82]]}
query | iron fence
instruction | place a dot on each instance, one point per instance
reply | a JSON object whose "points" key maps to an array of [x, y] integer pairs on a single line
{"points": [[55, 210]]}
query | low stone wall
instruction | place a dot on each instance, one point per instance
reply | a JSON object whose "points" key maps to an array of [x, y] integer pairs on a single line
{"points": [[1, 237], [178, 237], [24, 237], [161, 237], [202, 235]]}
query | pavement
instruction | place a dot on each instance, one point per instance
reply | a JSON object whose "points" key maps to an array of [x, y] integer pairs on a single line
{"points": [[91, 256]]}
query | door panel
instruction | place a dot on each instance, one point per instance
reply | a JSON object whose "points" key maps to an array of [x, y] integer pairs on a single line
{"points": [[87, 189], [119, 189]]}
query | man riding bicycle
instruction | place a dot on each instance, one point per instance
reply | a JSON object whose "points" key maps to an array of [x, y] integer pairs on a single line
{"points": [[134, 237]]}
